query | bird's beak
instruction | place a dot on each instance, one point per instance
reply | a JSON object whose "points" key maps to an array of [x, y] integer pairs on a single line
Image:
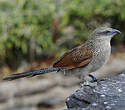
{"points": [[115, 31]]}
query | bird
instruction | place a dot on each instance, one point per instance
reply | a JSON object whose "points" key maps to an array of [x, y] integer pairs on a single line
{"points": [[81, 60]]}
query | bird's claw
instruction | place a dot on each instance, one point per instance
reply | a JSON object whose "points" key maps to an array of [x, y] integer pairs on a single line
{"points": [[87, 83]]}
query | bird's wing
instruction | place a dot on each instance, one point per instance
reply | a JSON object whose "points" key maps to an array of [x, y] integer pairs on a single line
{"points": [[77, 57]]}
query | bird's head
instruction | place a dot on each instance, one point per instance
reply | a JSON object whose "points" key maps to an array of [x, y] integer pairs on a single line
{"points": [[104, 32]]}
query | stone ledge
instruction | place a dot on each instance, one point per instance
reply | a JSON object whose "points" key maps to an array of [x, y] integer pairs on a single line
{"points": [[107, 95]]}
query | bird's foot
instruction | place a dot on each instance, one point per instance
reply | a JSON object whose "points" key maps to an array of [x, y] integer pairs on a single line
{"points": [[92, 83], [88, 83], [94, 79]]}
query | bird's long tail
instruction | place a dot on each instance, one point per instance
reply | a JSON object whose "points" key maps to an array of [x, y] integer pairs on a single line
{"points": [[32, 73]]}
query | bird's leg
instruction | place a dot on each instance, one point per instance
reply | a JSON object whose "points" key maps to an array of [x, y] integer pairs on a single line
{"points": [[94, 79]]}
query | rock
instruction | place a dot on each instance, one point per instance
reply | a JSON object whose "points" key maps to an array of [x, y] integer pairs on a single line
{"points": [[107, 95], [22, 108], [25, 87], [51, 101], [3, 98]]}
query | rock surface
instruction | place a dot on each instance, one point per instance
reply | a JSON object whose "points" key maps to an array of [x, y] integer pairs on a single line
{"points": [[107, 95], [37, 93]]}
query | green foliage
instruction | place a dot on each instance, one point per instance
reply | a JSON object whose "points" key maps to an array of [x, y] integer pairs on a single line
{"points": [[27, 24], [21, 21]]}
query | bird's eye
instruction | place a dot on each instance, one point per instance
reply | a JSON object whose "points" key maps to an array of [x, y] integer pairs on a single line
{"points": [[104, 32]]}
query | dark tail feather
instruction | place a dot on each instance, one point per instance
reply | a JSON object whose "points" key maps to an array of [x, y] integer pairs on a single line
{"points": [[31, 73]]}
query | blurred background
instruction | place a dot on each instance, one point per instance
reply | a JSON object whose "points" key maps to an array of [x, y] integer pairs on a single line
{"points": [[33, 33]]}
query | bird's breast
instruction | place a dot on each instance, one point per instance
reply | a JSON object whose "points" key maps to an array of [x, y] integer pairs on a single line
{"points": [[101, 55]]}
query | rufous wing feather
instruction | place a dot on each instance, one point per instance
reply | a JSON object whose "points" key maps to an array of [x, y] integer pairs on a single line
{"points": [[77, 57]]}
